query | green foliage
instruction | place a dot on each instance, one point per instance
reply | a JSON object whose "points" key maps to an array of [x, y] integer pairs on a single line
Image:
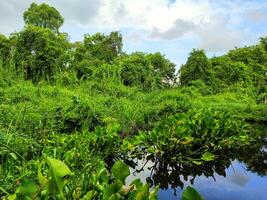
{"points": [[104, 187], [90, 105], [103, 47], [191, 194], [147, 71], [135, 71], [120, 171], [57, 172], [44, 16], [196, 67], [193, 136], [39, 53], [5, 50]]}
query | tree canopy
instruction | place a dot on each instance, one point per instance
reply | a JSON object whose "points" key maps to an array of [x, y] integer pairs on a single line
{"points": [[44, 16], [39, 52], [196, 67]]}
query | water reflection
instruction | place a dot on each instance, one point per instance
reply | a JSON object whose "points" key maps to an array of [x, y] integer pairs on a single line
{"points": [[235, 175]]}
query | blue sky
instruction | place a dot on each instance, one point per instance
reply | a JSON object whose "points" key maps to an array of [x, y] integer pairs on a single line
{"points": [[171, 27]]}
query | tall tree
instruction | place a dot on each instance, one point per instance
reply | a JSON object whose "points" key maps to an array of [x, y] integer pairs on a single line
{"points": [[95, 52], [44, 16], [39, 53], [104, 47], [196, 67], [5, 49], [136, 71], [163, 68]]}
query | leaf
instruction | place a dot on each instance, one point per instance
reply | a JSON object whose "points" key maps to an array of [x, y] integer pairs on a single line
{"points": [[43, 181], [12, 197], [191, 194], [28, 189], [137, 183], [154, 193], [207, 156], [13, 156], [143, 194], [89, 195], [112, 189], [116, 197], [58, 170], [120, 171], [197, 162]]}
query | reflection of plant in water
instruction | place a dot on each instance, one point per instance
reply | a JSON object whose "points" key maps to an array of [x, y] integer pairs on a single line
{"points": [[175, 174], [255, 157]]}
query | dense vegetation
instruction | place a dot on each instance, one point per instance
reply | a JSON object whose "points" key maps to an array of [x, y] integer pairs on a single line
{"points": [[72, 114]]}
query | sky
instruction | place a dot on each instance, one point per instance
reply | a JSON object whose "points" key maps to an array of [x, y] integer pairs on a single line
{"points": [[172, 27]]}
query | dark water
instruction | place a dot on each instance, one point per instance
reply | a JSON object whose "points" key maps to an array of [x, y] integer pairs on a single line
{"points": [[235, 175]]}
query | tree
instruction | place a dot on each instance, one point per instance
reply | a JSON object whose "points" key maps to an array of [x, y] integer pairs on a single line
{"points": [[39, 53], [136, 71], [196, 67], [103, 47], [44, 16], [163, 69], [146, 70], [95, 52], [263, 42], [255, 57], [5, 49], [230, 72]]}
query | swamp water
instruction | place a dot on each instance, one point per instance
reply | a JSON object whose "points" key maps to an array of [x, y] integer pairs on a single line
{"points": [[240, 175]]}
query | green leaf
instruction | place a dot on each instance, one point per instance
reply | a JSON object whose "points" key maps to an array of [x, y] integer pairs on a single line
{"points": [[42, 180], [207, 156], [112, 189], [89, 195], [12, 197], [116, 197], [197, 162], [138, 184], [120, 171], [143, 194], [28, 189], [154, 193], [58, 170], [191, 194]]}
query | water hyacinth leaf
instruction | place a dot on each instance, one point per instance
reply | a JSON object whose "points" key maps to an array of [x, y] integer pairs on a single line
{"points": [[120, 171], [58, 170], [207, 156], [137, 183], [111, 189], [191, 194], [143, 194]]}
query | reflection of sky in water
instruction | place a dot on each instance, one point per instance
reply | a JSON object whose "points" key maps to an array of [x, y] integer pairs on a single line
{"points": [[238, 184]]}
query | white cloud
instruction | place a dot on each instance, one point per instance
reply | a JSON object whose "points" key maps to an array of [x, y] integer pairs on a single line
{"points": [[180, 28], [217, 25], [216, 36], [78, 11]]}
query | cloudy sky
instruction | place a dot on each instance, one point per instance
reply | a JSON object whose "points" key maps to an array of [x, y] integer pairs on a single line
{"points": [[172, 27]]}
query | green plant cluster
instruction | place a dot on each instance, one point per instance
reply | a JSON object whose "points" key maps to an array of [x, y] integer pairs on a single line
{"points": [[194, 136], [103, 184], [73, 113]]}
